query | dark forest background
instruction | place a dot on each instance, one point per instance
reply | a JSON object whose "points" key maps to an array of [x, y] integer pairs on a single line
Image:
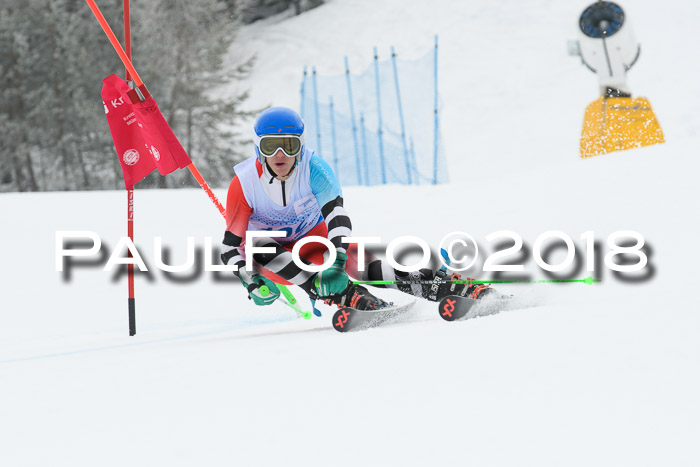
{"points": [[54, 55]]}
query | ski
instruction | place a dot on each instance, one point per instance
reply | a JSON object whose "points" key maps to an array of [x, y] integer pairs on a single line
{"points": [[349, 319], [455, 307]]}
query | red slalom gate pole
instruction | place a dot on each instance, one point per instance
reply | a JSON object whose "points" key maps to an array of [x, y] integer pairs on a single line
{"points": [[130, 191], [126, 60], [125, 57], [127, 34], [130, 266], [207, 190]]}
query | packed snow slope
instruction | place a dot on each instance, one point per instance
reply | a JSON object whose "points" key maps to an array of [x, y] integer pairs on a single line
{"points": [[605, 374]]}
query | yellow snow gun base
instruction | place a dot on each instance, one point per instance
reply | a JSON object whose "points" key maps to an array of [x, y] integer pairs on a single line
{"points": [[618, 123]]}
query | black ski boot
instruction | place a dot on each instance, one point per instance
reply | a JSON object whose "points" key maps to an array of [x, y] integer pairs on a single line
{"points": [[436, 286], [357, 297]]}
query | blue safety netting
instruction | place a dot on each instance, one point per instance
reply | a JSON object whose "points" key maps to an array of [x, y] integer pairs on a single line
{"points": [[378, 127]]}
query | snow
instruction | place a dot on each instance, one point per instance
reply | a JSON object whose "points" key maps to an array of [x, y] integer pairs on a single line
{"points": [[593, 375]]}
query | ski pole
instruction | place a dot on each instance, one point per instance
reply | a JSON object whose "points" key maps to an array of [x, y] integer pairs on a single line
{"points": [[287, 294], [265, 291], [588, 280], [304, 314]]}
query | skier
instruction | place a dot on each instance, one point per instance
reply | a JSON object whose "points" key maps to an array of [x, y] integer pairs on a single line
{"points": [[286, 187]]}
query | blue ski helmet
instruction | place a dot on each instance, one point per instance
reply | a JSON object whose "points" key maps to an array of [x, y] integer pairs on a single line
{"points": [[279, 121]]}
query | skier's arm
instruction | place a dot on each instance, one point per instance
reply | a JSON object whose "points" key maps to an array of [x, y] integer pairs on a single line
{"points": [[327, 190], [238, 213]]}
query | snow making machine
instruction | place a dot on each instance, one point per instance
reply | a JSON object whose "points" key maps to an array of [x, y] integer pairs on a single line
{"points": [[615, 121]]}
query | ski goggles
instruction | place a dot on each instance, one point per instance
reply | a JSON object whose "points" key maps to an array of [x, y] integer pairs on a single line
{"points": [[289, 144]]}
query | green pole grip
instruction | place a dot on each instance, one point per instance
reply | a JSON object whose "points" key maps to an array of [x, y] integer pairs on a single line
{"points": [[264, 290]]}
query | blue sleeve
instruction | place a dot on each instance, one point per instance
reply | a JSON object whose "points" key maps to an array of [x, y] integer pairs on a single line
{"points": [[327, 190], [324, 184]]}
